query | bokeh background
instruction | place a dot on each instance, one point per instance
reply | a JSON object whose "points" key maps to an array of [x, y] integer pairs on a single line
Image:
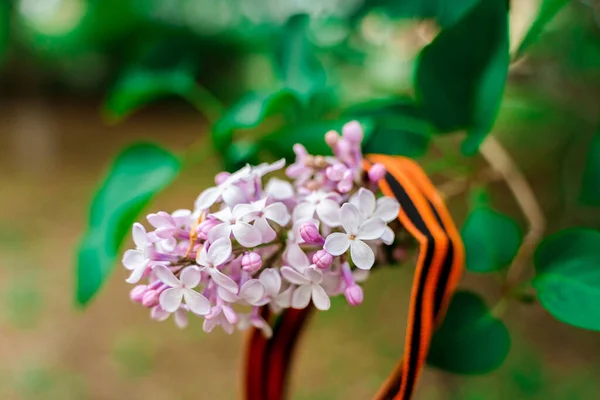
{"points": [[62, 62]]}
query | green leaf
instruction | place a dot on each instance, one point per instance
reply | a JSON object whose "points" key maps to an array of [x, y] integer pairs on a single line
{"points": [[296, 60], [138, 173], [139, 86], [568, 276], [548, 10], [491, 239], [590, 186], [250, 111], [470, 341], [399, 127], [311, 134], [461, 75], [5, 17]]}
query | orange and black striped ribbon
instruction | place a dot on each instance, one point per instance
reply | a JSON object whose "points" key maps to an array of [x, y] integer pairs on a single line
{"points": [[439, 267]]}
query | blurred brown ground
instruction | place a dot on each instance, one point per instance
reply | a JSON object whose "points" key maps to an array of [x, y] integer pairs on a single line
{"points": [[53, 153]]}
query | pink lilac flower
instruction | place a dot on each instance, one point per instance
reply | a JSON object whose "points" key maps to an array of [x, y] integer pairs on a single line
{"points": [[356, 231], [255, 320], [170, 299], [324, 204], [271, 281], [279, 189], [261, 214], [180, 315], [309, 288], [251, 292], [222, 315]]}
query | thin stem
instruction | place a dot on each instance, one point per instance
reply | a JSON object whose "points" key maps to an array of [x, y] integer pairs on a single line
{"points": [[499, 159]]}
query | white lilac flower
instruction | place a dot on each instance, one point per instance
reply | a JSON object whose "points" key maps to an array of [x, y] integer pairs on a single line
{"points": [[386, 208], [217, 254], [296, 258], [228, 191], [251, 292], [167, 224], [309, 287], [261, 214], [255, 320], [356, 231], [271, 281], [137, 260], [170, 299], [246, 234], [324, 204]]}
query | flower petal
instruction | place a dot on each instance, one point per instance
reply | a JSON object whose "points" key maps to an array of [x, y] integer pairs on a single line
{"points": [[207, 198], [139, 235], [267, 233], [284, 299], [209, 324], [182, 217], [296, 257], [302, 296], [202, 258], [227, 295], [371, 229], [304, 210], [219, 231], [278, 213], [366, 202], [252, 291], [293, 276], [361, 254], [198, 304], [181, 319], [133, 259], [387, 209], [314, 275], [161, 219], [337, 243], [264, 326], [166, 276], [320, 298], [241, 210], [159, 314], [350, 218], [170, 299], [279, 189], [246, 234], [233, 195], [136, 274], [223, 280], [271, 280], [388, 236], [190, 277], [230, 315], [329, 212], [219, 251], [361, 275]]}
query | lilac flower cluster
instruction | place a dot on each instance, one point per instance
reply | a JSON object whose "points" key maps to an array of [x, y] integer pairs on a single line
{"points": [[282, 245]]}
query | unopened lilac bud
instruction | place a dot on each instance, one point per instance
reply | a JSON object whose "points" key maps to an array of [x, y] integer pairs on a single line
{"points": [[205, 227], [353, 132], [354, 295], [251, 262], [331, 138], [221, 177], [150, 298], [310, 234], [377, 172], [137, 293], [322, 259]]}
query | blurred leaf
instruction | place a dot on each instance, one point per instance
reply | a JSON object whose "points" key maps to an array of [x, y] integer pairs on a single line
{"points": [[139, 172], [590, 186], [470, 341], [296, 60], [134, 354], [548, 9], [460, 76], [5, 18], [241, 153], [23, 301], [491, 239], [310, 134], [478, 197], [250, 111], [568, 276], [399, 127], [139, 86]]}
